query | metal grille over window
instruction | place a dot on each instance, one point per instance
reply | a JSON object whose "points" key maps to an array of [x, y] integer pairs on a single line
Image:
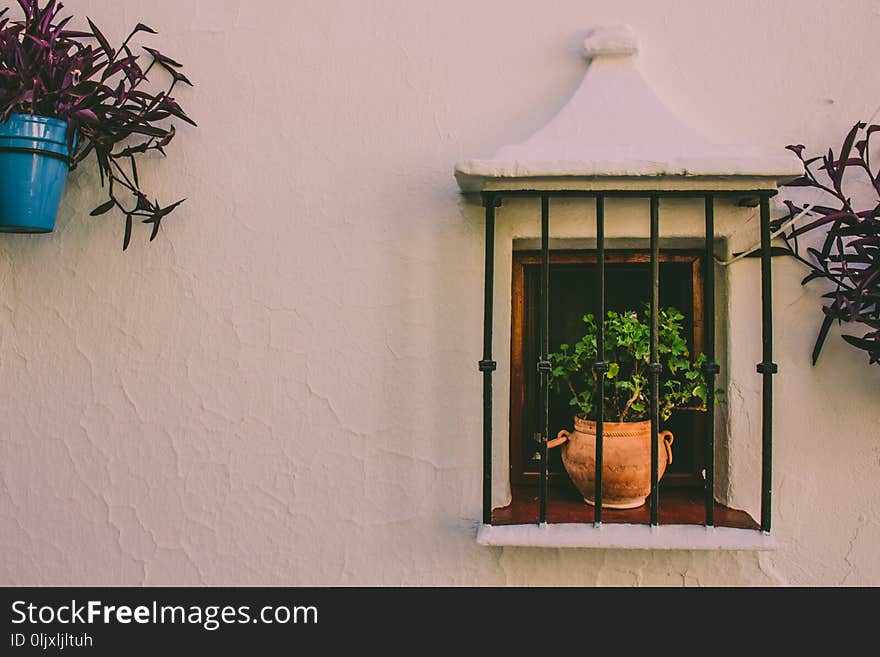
{"points": [[494, 200], [615, 148]]}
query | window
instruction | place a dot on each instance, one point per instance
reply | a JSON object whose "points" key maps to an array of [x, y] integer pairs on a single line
{"points": [[573, 275], [572, 282], [551, 290], [616, 141]]}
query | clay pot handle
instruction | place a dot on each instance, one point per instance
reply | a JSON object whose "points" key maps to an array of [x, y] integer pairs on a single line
{"points": [[668, 439], [559, 440]]}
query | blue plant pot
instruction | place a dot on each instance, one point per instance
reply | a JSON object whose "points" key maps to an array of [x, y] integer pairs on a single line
{"points": [[33, 171]]}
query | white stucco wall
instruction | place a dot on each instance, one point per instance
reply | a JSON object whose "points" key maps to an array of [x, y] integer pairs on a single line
{"points": [[282, 388]]}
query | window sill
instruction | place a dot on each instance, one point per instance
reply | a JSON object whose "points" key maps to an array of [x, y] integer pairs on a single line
{"points": [[570, 524], [678, 506], [626, 537]]}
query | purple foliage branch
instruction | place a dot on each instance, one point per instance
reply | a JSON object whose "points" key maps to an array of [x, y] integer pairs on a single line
{"points": [[850, 255], [49, 70]]}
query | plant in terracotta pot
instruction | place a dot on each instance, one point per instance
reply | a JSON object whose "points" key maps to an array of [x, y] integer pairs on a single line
{"points": [[626, 391], [67, 94]]}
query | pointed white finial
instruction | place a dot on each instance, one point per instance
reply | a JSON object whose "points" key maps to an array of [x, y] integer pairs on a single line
{"points": [[611, 40]]}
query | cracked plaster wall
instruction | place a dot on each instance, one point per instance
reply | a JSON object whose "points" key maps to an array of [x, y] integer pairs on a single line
{"points": [[282, 388]]}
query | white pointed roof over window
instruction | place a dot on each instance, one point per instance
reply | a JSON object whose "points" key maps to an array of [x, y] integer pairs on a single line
{"points": [[615, 127]]}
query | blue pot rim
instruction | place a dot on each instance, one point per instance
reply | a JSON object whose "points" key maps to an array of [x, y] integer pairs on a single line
{"points": [[37, 118], [19, 120], [51, 140]]}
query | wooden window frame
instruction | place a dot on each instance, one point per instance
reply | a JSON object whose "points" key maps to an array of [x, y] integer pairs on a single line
{"points": [[518, 380]]}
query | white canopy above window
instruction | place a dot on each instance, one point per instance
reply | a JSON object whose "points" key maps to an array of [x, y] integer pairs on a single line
{"points": [[615, 132]]}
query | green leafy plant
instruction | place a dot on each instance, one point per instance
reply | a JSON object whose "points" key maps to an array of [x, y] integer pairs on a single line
{"points": [[626, 385]]}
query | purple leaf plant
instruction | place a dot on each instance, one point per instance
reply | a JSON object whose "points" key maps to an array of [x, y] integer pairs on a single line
{"points": [[77, 76], [849, 257]]}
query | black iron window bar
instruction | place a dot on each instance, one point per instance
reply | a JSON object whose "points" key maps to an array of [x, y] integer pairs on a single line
{"points": [[767, 368]]}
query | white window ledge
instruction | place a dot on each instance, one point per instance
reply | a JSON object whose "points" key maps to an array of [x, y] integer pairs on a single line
{"points": [[627, 537]]}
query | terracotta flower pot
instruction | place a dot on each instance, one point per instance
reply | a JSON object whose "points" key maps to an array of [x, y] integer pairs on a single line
{"points": [[626, 466]]}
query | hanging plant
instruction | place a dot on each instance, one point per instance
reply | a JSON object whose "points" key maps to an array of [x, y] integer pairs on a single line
{"points": [[849, 257], [78, 78]]}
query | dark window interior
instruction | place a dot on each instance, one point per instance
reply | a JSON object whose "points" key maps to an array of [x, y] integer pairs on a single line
{"points": [[572, 295]]}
